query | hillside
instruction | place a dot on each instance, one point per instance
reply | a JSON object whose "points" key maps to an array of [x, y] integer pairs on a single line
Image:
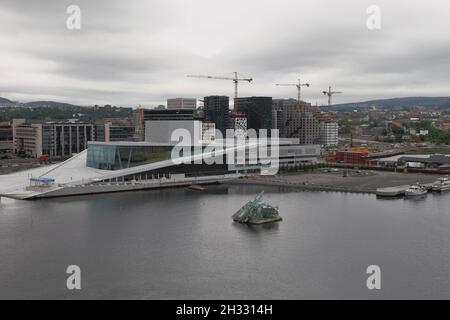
{"points": [[432, 102], [5, 101], [48, 104]]}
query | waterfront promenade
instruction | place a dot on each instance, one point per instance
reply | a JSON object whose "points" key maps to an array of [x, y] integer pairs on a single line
{"points": [[356, 181]]}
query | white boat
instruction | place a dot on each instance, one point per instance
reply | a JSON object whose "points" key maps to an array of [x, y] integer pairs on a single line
{"points": [[442, 184], [196, 187], [416, 190]]}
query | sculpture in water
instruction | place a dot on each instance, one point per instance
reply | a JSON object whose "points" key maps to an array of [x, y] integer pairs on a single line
{"points": [[257, 212]]}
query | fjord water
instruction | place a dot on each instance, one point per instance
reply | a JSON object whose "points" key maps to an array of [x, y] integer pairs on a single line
{"points": [[182, 244]]}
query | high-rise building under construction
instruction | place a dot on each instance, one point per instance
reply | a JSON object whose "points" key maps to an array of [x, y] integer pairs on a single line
{"points": [[295, 119], [300, 120]]}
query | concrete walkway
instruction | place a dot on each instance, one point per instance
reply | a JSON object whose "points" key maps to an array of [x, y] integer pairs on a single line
{"points": [[364, 182]]}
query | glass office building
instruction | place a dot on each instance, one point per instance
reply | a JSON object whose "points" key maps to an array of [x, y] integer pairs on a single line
{"points": [[258, 111]]}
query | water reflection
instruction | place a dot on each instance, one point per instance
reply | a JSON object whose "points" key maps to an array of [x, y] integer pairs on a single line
{"points": [[257, 228]]}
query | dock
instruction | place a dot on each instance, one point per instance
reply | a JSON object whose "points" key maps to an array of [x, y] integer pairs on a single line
{"points": [[387, 184], [398, 191]]}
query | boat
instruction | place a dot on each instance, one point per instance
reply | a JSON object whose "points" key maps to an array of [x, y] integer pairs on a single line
{"points": [[196, 187], [257, 212], [442, 184], [416, 190], [391, 192]]}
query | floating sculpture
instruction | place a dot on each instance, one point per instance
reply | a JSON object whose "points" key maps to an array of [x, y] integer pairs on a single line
{"points": [[257, 212]]}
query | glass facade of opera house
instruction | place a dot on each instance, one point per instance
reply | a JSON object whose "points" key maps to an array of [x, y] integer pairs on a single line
{"points": [[116, 157], [122, 156]]}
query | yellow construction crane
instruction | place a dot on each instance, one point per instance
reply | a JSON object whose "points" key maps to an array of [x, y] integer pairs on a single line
{"points": [[235, 80], [299, 86], [330, 94]]}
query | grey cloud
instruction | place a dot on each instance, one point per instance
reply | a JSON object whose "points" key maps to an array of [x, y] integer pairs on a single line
{"points": [[92, 65], [139, 52]]}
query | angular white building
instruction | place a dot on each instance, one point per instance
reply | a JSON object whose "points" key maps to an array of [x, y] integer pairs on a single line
{"points": [[129, 166]]}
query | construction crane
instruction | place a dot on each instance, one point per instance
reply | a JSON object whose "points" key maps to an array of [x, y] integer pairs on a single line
{"points": [[330, 94], [235, 80], [299, 86]]}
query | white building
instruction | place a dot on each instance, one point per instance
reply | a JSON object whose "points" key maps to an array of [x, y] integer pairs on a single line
{"points": [[182, 103], [239, 123], [161, 130], [126, 166], [328, 132], [208, 131]]}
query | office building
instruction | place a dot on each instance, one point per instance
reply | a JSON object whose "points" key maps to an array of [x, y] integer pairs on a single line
{"points": [[217, 110], [208, 131], [257, 110], [182, 103], [142, 115], [239, 124], [139, 124], [58, 140], [328, 132], [161, 131], [28, 139], [110, 132], [6, 132], [328, 129], [6, 137]]}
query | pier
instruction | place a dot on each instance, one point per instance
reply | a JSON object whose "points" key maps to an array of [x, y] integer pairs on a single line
{"points": [[398, 191], [354, 181]]}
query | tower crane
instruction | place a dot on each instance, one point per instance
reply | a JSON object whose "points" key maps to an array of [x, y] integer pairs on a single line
{"points": [[330, 94], [299, 86], [235, 80]]}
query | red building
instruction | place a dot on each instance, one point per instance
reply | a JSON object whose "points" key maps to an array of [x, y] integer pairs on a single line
{"points": [[355, 156]]}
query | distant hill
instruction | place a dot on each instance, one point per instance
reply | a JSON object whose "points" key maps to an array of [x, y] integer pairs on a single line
{"points": [[432, 102], [48, 104], [5, 101], [51, 110]]}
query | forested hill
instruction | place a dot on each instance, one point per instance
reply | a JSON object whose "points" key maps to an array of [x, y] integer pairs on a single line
{"points": [[431, 102]]}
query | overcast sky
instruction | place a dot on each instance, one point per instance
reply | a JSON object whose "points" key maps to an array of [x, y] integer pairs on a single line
{"points": [[139, 52]]}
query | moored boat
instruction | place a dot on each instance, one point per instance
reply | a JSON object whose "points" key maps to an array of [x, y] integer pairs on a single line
{"points": [[442, 184], [416, 190]]}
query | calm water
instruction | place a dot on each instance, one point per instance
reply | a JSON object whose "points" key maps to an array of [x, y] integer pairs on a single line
{"points": [[177, 244]]}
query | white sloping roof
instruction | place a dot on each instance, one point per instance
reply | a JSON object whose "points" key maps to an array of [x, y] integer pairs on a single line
{"points": [[75, 171], [71, 170]]}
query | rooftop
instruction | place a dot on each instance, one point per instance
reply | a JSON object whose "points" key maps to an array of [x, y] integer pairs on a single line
{"points": [[436, 158]]}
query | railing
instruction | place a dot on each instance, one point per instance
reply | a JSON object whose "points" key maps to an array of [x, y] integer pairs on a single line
{"points": [[64, 162], [160, 182], [383, 168]]}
